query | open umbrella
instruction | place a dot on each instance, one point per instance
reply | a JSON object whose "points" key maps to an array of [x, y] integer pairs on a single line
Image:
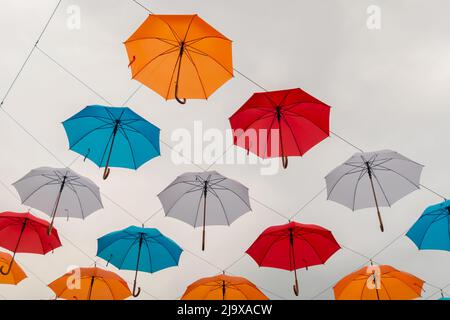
{"points": [[293, 246], [25, 233], [280, 124], [205, 198], [223, 287], [432, 230], [378, 283], [139, 249], [16, 275], [112, 137], [179, 56], [90, 284], [59, 192], [373, 179]]}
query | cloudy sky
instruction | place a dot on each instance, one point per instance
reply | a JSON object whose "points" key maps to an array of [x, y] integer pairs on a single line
{"points": [[388, 89]]}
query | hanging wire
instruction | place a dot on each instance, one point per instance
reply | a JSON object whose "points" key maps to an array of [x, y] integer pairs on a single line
{"points": [[29, 54]]}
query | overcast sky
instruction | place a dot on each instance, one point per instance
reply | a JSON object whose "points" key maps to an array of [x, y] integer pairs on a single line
{"points": [[388, 89]]}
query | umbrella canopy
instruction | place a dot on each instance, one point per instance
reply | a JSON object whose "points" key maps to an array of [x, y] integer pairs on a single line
{"points": [[205, 198], [59, 192], [293, 246], [15, 276], [431, 231], [179, 56], [25, 233], [112, 137], [139, 249], [444, 298], [90, 284], [373, 179], [223, 287], [378, 283], [280, 124]]}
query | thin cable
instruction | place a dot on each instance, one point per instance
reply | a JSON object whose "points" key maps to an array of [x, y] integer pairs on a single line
{"points": [[142, 6], [252, 81], [29, 54], [73, 76], [308, 203], [434, 192]]}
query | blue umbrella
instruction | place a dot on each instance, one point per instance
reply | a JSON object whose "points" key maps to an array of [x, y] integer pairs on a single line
{"points": [[444, 298], [140, 249], [112, 137], [432, 230]]}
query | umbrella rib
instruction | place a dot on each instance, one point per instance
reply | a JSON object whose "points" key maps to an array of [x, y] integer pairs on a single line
{"points": [[277, 239], [385, 288], [128, 251], [170, 28], [235, 193], [382, 190], [168, 41], [189, 27], [310, 121], [194, 41], [339, 180], [292, 132], [197, 72], [104, 126], [149, 256], [173, 74], [363, 172], [168, 51], [129, 145], [48, 183], [198, 208], [109, 287], [90, 190], [428, 228], [138, 132], [221, 204], [156, 239], [106, 147], [193, 50], [388, 169], [100, 118], [78, 198], [185, 193]]}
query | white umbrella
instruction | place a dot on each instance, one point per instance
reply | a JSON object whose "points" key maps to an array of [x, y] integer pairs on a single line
{"points": [[373, 179], [205, 198], [59, 192]]}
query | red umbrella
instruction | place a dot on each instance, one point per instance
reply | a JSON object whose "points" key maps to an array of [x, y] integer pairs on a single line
{"points": [[293, 246], [280, 124], [23, 232]]}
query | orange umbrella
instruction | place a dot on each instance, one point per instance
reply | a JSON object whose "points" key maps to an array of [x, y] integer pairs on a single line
{"points": [[180, 56], [223, 287], [16, 275], [90, 284], [378, 283]]}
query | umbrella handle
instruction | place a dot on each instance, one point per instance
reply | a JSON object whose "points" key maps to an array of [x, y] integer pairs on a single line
{"points": [[49, 229], [285, 161], [106, 173], [180, 100], [9, 269], [295, 287], [136, 293]]}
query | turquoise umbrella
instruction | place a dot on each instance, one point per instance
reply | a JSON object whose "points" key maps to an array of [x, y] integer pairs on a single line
{"points": [[432, 230], [139, 249], [112, 137]]}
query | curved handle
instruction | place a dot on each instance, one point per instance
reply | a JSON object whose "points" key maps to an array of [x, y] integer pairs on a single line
{"points": [[180, 101], [106, 173], [285, 161], [7, 272], [132, 61], [134, 293], [295, 287]]}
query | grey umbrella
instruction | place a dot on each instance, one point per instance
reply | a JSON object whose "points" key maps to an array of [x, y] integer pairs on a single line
{"points": [[373, 179], [205, 198], [59, 192]]}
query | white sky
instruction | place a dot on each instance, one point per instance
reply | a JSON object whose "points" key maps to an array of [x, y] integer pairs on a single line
{"points": [[388, 89]]}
